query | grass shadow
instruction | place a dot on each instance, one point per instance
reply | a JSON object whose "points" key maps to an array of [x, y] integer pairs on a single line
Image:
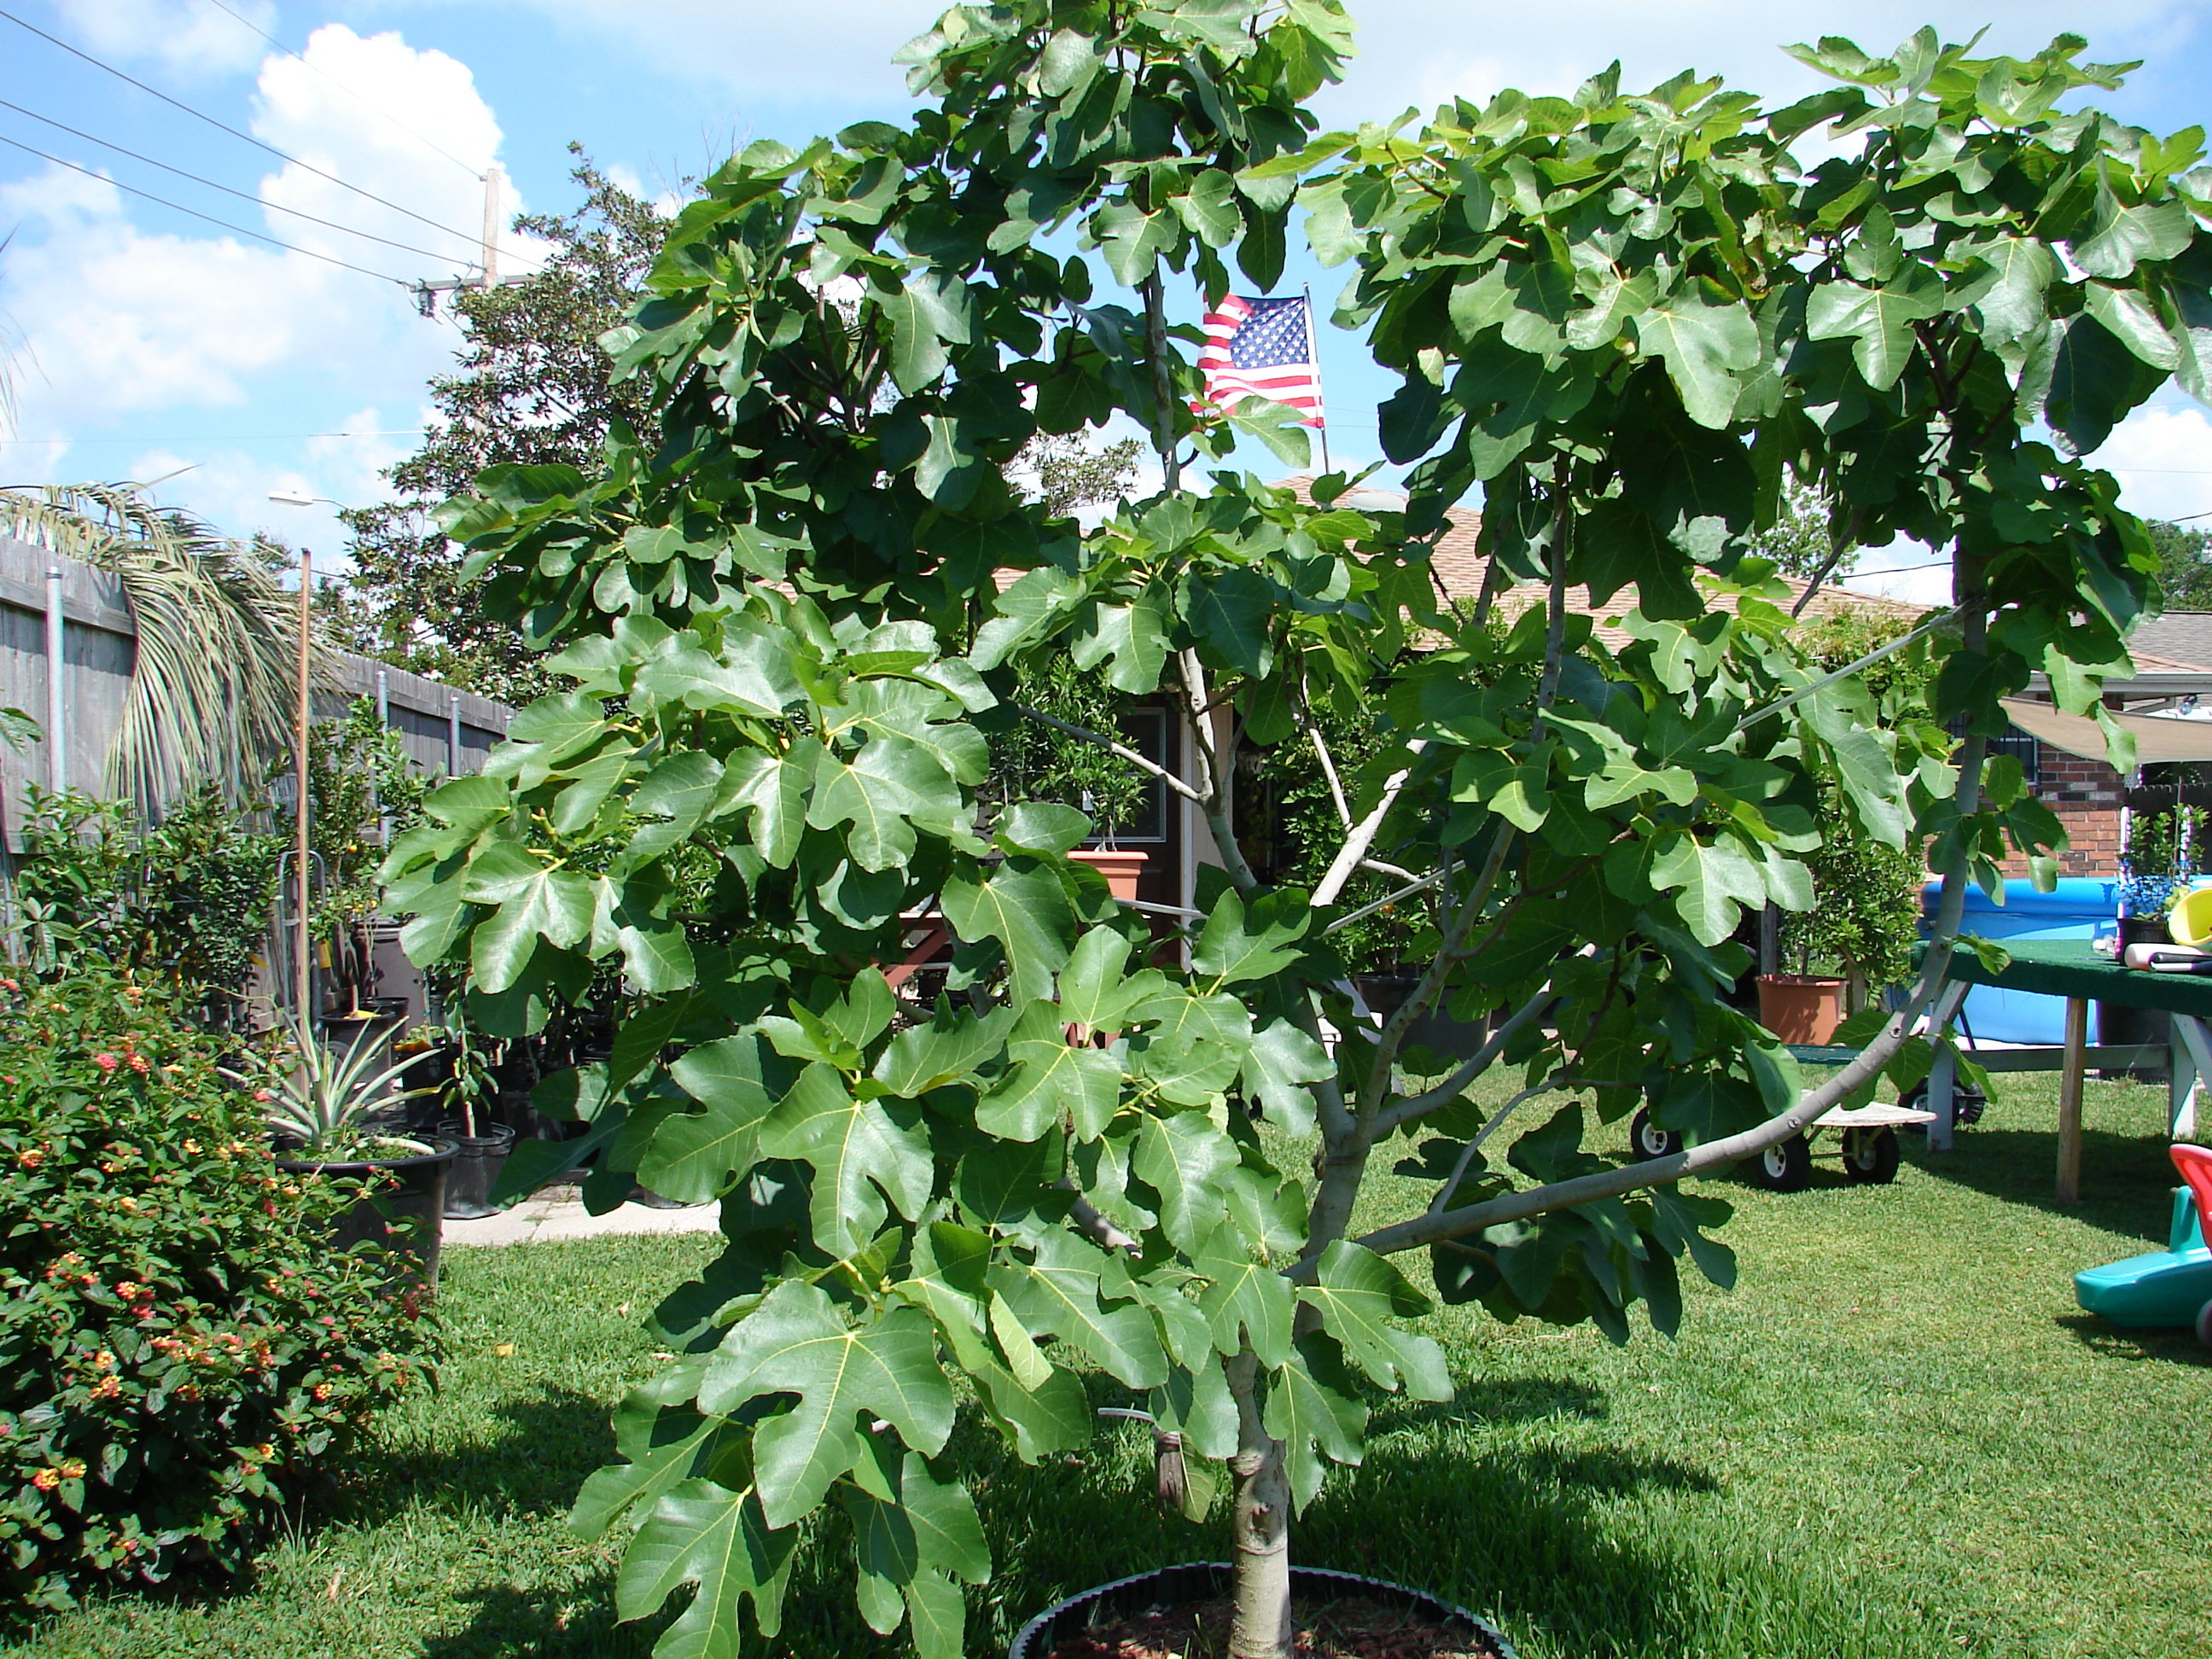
{"points": [[546, 1447], [2126, 1180], [2159, 1345], [507, 1623], [1494, 1402]]}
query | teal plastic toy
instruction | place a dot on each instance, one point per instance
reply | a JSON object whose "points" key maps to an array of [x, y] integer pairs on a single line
{"points": [[2166, 1288]]}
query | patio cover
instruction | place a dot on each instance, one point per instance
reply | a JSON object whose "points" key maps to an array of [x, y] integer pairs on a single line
{"points": [[2158, 737]]}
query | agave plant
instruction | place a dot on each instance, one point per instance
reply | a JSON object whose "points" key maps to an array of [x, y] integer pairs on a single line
{"points": [[312, 1096], [214, 679]]}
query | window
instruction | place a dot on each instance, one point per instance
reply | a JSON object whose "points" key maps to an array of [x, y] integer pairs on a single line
{"points": [[1146, 731], [2021, 745]]}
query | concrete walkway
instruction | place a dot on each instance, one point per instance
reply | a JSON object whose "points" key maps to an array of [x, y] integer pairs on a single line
{"points": [[560, 1214]]}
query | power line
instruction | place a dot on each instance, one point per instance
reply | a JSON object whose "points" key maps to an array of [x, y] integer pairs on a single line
{"points": [[290, 160], [220, 224], [225, 437], [390, 120], [243, 196]]}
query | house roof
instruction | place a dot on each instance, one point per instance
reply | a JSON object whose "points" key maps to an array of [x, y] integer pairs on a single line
{"points": [[1461, 567], [2176, 641]]}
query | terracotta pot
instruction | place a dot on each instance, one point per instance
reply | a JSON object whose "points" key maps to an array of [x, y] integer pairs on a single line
{"points": [[1119, 868], [1801, 1008]]}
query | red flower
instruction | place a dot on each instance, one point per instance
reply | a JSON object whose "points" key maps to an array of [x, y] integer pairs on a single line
{"points": [[106, 1062]]}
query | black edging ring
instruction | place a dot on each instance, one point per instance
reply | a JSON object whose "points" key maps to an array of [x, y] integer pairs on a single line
{"points": [[1199, 1581]]}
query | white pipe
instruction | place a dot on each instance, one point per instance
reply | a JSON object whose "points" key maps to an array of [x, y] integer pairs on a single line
{"points": [[57, 699]]}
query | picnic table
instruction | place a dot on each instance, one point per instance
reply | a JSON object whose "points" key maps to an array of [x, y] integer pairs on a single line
{"points": [[2071, 969]]}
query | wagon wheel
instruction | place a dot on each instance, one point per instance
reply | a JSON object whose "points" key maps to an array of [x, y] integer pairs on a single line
{"points": [[1648, 1140], [1783, 1168], [1967, 1103], [1870, 1155]]}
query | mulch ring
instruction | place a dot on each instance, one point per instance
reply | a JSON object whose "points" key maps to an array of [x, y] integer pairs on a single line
{"points": [[1351, 1628]]}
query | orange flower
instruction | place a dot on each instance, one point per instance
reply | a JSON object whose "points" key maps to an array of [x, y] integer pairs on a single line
{"points": [[46, 1479], [108, 1388]]}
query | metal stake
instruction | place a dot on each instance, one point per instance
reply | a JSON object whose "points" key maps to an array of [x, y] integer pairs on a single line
{"points": [[301, 971]]}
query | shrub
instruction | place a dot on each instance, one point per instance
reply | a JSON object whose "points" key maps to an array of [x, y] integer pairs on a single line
{"points": [[186, 900], [181, 1352]]}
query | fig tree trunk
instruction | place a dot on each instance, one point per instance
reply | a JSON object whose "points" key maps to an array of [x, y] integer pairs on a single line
{"points": [[1261, 1527]]}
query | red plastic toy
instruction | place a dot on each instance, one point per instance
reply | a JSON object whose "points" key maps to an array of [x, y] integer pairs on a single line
{"points": [[2195, 1163]]}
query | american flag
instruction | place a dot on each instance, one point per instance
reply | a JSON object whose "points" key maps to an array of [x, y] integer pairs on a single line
{"points": [[1262, 349]]}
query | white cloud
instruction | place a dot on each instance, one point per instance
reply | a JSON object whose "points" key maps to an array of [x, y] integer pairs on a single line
{"points": [[1903, 571], [2162, 456], [302, 113], [121, 322], [186, 37]]}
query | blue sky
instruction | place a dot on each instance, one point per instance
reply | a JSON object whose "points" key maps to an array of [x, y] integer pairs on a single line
{"points": [[146, 342]]}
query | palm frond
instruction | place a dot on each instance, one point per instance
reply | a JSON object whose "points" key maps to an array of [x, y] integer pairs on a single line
{"points": [[213, 680]]}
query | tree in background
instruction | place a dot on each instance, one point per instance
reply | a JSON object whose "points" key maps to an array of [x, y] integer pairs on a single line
{"points": [[1804, 540], [2184, 564], [531, 390]]}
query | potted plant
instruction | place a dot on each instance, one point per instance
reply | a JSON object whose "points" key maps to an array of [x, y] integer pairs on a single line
{"points": [[1045, 754], [323, 1110], [481, 1143], [2162, 851], [1864, 920], [360, 782]]}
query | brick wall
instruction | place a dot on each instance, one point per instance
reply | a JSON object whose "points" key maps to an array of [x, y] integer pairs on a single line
{"points": [[2087, 796]]}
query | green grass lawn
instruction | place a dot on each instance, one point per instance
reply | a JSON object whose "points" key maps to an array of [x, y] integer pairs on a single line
{"points": [[1897, 1437]]}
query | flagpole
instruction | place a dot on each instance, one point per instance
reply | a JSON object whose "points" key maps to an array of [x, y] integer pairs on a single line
{"points": [[1313, 351]]}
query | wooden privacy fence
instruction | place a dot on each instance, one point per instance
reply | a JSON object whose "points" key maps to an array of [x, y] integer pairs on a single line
{"points": [[43, 596]]}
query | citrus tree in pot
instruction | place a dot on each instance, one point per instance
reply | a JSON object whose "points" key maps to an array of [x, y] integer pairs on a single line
{"points": [[1629, 320], [1037, 755]]}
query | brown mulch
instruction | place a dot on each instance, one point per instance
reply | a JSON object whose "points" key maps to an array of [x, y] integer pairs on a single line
{"points": [[1354, 1628]]}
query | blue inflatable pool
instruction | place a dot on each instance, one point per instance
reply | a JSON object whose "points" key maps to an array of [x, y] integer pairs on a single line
{"points": [[2071, 910]]}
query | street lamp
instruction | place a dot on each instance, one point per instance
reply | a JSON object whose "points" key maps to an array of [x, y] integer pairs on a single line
{"points": [[301, 972]]}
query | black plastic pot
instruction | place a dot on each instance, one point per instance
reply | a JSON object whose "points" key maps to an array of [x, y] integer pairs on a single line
{"points": [[1207, 1581], [403, 1208], [1436, 1030], [477, 1160]]}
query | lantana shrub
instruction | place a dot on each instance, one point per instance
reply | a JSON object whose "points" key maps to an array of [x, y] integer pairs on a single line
{"points": [[182, 1354]]}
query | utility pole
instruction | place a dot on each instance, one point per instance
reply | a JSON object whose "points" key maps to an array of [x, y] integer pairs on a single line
{"points": [[426, 294], [491, 226]]}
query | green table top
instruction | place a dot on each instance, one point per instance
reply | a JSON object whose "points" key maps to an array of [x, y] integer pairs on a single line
{"points": [[2069, 968]]}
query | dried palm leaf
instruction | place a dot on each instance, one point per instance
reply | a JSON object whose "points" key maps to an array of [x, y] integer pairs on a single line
{"points": [[213, 682]]}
